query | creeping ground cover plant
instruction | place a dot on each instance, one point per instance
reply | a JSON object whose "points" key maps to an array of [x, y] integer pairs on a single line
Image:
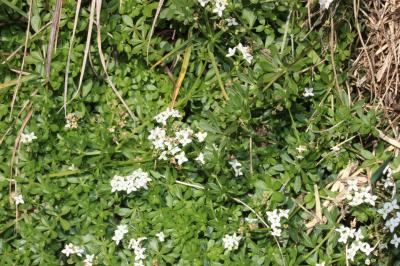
{"points": [[191, 133]]}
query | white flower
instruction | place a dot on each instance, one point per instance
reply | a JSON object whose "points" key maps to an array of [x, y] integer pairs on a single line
{"points": [[352, 185], [356, 199], [392, 223], [157, 133], [388, 207], [308, 92], [367, 262], [88, 260], [231, 22], [335, 148], [135, 243], [220, 6], [320, 264], [68, 249], [161, 236], [163, 116], [203, 3], [388, 183], [139, 251], [274, 217], [276, 231], [183, 136], [119, 233], [181, 158], [200, 158], [201, 136], [136, 180], [231, 52], [138, 263], [28, 138], [324, 4], [231, 242], [345, 233], [358, 235], [301, 149], [18, 199], [395, 240], [245, 50], [72, 249], [163, 156], [237, 167], [388, 171]]}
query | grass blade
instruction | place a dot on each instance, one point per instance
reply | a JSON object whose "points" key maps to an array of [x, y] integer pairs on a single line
{"points": [[103, 61], [78, 7], [182, 74], [53, 37]]}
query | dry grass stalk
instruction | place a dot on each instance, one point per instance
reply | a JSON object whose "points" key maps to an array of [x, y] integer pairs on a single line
{"points": [[379, 58], [55, 26], [351, 172]]}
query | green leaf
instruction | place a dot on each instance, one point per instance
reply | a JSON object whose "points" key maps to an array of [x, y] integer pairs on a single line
{"points": [[250, 17], [127, 20], [36, 23]]}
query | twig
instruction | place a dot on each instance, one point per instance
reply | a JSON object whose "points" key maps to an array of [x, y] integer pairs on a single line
{"points": [[103, 63], [23, 58], [78, 7], [53, 38]]}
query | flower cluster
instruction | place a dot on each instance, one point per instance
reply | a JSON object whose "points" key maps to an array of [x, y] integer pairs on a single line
{"points": [[171, 145], [388, 181], [358, 196], [274, 217], [70, 249], [139, 251], [218, 5], [245, 50], [231, 242], [133, 182], [237, 167], [347, 233], [18, 199], [394, 221], [308, 92], [122, 229], [28, 138], [324, 4]]}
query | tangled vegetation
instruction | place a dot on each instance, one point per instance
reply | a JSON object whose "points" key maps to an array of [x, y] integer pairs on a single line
{"points": [[190, 133]]}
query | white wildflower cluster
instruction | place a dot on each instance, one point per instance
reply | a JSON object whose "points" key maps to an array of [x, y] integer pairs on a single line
{"points": [[218, 5], [388, 181], [70, 249], [308, 92], [324, 4], [122, 229], [274, 217], [28, 138], [320, 264], [394, 221], [231, 242], [163, 116], [136, 180], [245, 50], [160, 236], [237, 167], [18, 199], [171, 145], [357, 195], [231, 22], [347, 233], [139, 251]]}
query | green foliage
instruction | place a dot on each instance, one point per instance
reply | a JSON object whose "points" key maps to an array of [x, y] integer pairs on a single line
{"points": [[64, 175]]}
